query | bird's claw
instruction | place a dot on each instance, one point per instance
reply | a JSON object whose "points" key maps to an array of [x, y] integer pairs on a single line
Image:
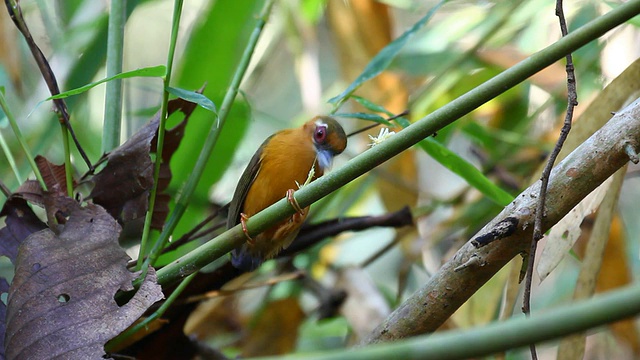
{"points": [[243, 222], [292, 200]]}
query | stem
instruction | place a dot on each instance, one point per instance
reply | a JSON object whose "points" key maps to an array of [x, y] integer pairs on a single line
{"points": [[403, 140], [67, 160], [10, 158], [21, 140], [113, 95], [177, 12]]}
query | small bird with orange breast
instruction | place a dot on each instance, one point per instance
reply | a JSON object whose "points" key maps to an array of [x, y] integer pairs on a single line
{"points": [[283, 161]]}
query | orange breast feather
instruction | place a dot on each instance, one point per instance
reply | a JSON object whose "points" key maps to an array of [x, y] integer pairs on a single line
{"points": [[287, 158]]}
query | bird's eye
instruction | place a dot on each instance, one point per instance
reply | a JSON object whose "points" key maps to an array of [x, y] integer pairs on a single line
{"points": [[320, 135]]}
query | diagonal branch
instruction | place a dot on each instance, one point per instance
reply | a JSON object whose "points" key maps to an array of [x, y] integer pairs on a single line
{"points": [[576, 176]]}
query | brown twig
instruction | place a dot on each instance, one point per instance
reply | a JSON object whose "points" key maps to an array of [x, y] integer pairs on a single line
{"points": [[15, 12], [311, 234], [572, 101], [271, 281], [196, 232]]}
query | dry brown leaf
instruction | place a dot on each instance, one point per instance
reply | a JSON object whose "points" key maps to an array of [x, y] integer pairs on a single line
{"points": [[31, 191], [276, 330], [615, 273], [123, 186], [573, 347], [20, 222], [61, 302], [565, 233], [54, 176], [4, 288]]}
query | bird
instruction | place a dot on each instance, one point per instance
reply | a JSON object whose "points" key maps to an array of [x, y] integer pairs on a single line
{"points": [[285, 160]]}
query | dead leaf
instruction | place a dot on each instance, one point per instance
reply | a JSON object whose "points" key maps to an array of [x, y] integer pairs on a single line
{"points": [[61, 302], [276, 330], [573, 347], [31, 191], [565, 233], [123, 186], [54, 176], [4, 288], [616, 273], [20, 222]]}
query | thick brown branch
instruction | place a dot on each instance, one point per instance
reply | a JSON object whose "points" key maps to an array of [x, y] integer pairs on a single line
{"points": [[576, 176]]}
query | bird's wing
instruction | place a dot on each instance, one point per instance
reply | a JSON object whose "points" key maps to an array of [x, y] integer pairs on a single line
{"points": [[242, 189]]}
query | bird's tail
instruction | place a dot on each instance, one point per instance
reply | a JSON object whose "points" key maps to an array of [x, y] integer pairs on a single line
{"points": [[243, 260]]}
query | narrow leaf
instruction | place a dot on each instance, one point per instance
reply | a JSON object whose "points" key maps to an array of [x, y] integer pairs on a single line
{"points": [[370, 105], [383, 59], [194, 97], [462, 168], [467, 171], [153, 71]]}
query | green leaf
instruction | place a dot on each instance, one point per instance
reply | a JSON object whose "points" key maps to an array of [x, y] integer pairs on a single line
{"points": [[153, 71], [365, 116], [467, 171], [382, 60], [370, 105], [462, 168], [193, 97]]}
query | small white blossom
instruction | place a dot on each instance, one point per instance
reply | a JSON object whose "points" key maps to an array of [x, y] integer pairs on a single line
{"points": [[383, 135]]}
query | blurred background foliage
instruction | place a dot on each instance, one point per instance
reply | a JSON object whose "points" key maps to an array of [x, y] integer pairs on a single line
{"points": [[310, 51]]}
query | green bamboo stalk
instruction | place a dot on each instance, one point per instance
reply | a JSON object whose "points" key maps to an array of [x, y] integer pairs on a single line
{"points": [[177, 13], [214, 133], [67, 159], [499, 336], [21, 140], [112, 123], [10, 158], [403, 140]]}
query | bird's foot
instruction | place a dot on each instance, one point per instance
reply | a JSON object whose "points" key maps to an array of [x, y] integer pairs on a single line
{"points": [[243, 222], [292, 200]]}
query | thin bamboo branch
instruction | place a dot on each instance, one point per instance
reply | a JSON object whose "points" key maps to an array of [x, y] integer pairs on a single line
{"points": [[113, 93], [144, 242]]}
